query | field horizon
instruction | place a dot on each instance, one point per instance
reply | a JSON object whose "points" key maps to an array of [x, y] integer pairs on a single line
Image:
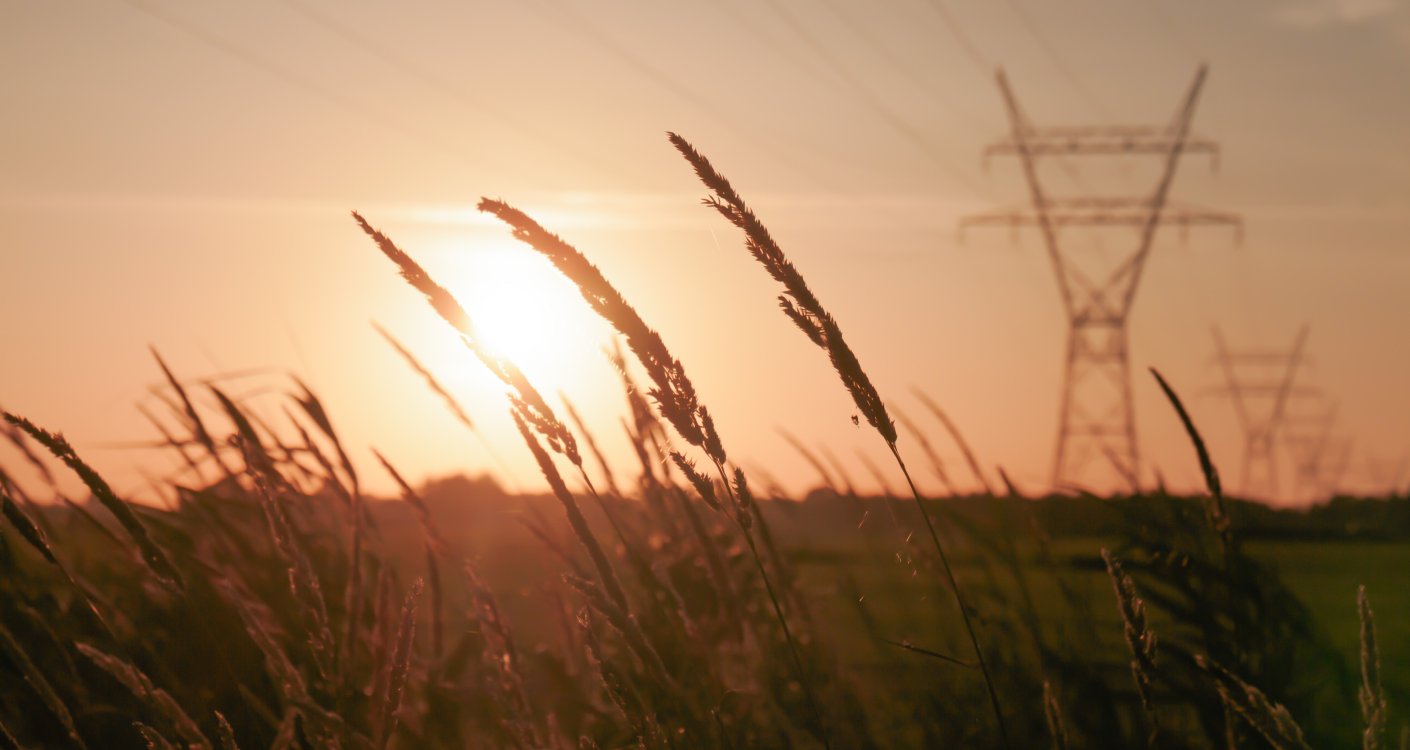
{"points": [[959, 375]]}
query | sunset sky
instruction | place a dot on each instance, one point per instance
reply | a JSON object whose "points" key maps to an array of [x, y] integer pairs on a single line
{"points": [[180, 175]]}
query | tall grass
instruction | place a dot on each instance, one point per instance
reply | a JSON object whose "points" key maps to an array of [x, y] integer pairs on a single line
{"points": [[277, 603], [802, 307], [675, 398]]}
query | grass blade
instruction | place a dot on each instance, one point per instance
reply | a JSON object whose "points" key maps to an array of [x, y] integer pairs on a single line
{"points": [[155, 558]]}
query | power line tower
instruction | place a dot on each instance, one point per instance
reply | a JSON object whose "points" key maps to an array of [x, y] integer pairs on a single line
{"points": [[1319, 457], [1097, 415], [1260, 384]]}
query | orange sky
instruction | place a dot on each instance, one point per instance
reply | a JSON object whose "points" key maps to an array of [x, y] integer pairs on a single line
{"points": [[180, 174]]}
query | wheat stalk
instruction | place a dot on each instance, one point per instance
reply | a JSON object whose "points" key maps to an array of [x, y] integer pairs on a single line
{"points": [[877, 476], [1271, 719], [812, 459], [435, 544], [27, 528], [802, 307], [142, 688], [923, 440], [526, 398], [1052, 713], [1216, 513], [449, 400], [193, 418], [636, 638], [155, 558], [591, 444], [40, 684], [153, 738], [672, 390], [1372, 696], [501, 658], [16, 437], [304, 584], [401, 663], [1140, 639], [957, 436]]}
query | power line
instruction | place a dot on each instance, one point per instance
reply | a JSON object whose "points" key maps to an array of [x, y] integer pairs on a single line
{"points": [[973, 52], [1058, 61], [300, 82], [810, 64], [1097, 411], [395, 60], [775, 43], [1260, 383], [884, 51], [986, 69], [357, 108], [957, 31], [873, 102], [585, 27]]}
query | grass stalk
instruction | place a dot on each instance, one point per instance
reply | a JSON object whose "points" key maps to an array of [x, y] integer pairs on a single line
{"points": [[959, 600], [450, 401], [401, 664], [152, 553], [801, 305], [672, 390], [1140, 640], [955, 434], [1372, 696]]}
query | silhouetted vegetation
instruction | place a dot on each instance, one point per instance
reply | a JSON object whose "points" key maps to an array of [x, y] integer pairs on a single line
{"points": [[273, 603]]}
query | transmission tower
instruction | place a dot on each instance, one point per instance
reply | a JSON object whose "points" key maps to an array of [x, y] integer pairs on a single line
{"points": [[1097, 418], [1319, 457], [1260, 384]]}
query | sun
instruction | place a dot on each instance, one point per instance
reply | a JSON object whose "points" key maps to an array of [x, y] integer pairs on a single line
{"points": [[524, 310]]}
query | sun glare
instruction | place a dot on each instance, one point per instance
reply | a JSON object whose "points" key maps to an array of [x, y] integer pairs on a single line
{"points": [[524, 310]]}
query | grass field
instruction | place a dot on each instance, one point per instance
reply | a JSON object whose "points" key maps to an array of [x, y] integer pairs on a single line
{"points": [[275, 603], [862, 592]]}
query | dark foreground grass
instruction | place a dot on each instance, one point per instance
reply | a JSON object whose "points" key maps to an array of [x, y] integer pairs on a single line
{"points": [[865, 597], [272, 603]]}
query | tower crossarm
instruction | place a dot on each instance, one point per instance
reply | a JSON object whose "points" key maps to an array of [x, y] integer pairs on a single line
{"points": [[1042, 142], [1265, 389], [1267, 377], [1096, 215], [1312, 428], [1269, 357], [1097, 296]]}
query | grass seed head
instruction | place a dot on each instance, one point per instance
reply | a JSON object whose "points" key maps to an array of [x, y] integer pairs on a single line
{"points": [[1371, 695], [798, 301]]}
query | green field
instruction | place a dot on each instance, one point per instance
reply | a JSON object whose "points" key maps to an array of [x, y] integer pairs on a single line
{"points": [[275, 603], [855, 591]]}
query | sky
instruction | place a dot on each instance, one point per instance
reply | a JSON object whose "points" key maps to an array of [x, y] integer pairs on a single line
{"points": [[180, 175]]}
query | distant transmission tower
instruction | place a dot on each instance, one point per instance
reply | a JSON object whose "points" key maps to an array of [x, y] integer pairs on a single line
{"points": [[1260, 383], [1319, 457], [1097, 418]]}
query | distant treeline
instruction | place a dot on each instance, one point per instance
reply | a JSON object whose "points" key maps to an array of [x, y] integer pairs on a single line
{"points": [[1059, 516], [823, 514]]}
